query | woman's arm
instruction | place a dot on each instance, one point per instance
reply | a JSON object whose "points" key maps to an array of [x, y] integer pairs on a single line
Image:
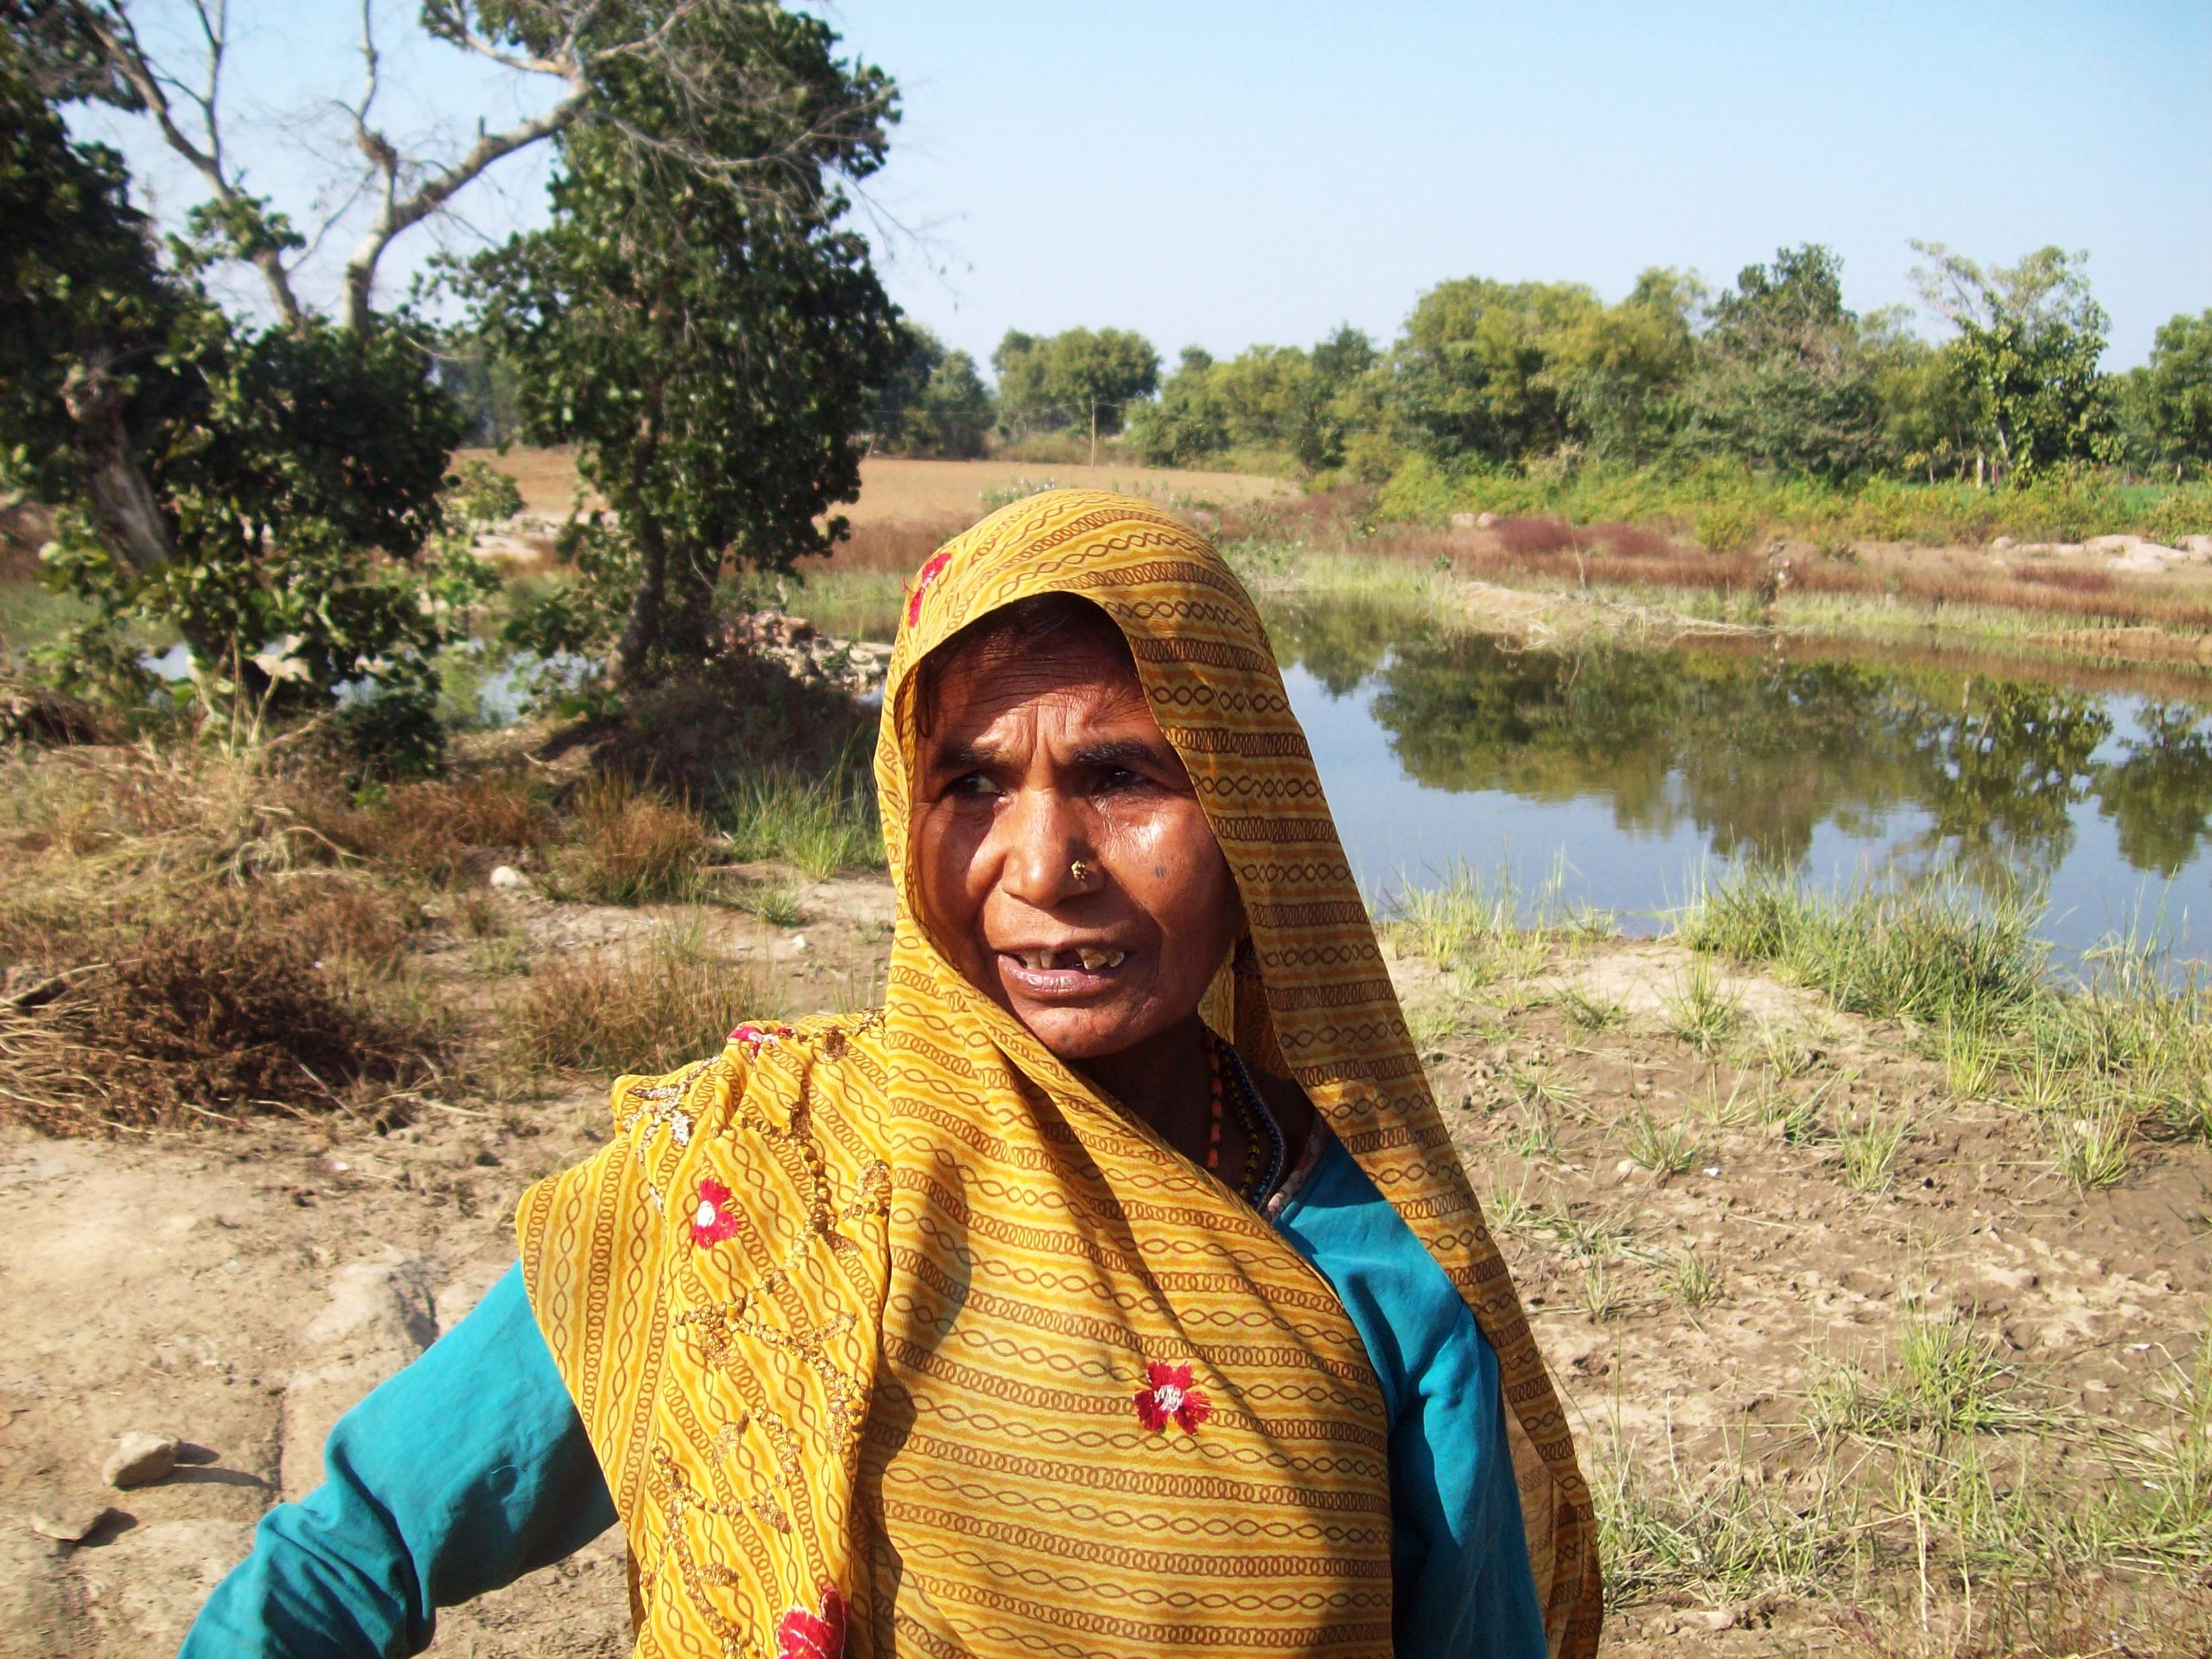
{"points": [[1464, 1589], [466, 1471]]}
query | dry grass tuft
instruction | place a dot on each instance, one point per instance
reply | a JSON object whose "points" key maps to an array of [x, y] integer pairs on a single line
{"points": [[444, 831], [1522, 537], [648, 1008], [633, 847], [208, 1013]]}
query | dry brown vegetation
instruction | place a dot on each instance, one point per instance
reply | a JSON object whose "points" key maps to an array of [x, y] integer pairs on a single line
{"points": [[1550, 552]]}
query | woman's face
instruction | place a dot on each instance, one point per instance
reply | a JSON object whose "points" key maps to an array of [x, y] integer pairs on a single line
{"points": [[1028, 768]]}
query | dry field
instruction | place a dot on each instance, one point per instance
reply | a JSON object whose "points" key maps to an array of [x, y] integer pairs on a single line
{"points": [[930, 492]]}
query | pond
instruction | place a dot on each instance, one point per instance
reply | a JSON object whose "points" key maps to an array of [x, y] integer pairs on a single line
{"points": [[1617, 776]]}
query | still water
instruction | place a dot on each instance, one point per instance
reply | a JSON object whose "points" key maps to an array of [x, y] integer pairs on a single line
{"points": [[1623, 775]]}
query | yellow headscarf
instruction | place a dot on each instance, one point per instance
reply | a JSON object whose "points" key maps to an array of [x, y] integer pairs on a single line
{"points": [[872, 1319]]}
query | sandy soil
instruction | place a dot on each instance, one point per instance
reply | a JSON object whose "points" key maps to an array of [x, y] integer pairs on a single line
{"points": [[892, 489], [237, 1291]]}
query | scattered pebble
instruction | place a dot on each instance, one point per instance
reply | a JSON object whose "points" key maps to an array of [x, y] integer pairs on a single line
{"points": [[71, 1524], [508, 878], [1713, 1172], [799, 941], [139, 1460]]}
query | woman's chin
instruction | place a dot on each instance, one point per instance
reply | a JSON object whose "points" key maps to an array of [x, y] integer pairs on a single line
{"points": [[1082, 1033]]}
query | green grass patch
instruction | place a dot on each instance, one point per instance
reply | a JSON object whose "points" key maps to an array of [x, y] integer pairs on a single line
{"points": [[823, 824], [1935, 954], [1727, 504]]}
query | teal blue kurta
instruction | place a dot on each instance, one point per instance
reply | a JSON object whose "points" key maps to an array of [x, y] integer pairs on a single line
{"points": [[472, 1468]]}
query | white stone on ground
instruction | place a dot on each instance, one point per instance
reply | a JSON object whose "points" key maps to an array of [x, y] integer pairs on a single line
{"points": [[139, 1461]]}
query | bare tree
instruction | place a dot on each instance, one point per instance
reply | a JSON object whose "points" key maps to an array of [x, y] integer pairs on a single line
{"points": [[94, 49]]}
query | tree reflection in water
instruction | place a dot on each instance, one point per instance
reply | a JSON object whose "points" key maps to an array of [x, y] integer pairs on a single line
{"points": [[1757, 751]]}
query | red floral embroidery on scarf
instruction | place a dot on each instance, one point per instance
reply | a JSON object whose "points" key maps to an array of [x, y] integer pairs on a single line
{"points": [[714, 1220], [1170, 1399], [923, 578], [803, 1635], [758, 1035]]}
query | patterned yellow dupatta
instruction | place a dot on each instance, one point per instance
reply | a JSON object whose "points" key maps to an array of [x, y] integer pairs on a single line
{"points": [[869, 1317]]}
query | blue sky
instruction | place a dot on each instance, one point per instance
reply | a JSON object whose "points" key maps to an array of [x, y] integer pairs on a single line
{"points": [[1228, 172]]}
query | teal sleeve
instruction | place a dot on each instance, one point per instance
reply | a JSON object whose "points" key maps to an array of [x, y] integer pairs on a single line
{"points": [[468, 1469], [1464, 1589]]}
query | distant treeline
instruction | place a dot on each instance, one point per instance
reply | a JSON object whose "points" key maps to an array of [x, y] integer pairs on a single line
{"points": [[1774, 374]]}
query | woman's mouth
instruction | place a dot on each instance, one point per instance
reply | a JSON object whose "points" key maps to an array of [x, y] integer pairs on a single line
{"points": [[1069, 973]]}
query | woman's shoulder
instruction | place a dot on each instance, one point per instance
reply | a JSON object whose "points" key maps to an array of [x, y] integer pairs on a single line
{"points": [[817, 1085], [831, 1064]]}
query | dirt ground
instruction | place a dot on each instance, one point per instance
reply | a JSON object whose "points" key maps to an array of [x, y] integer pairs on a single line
{"points": [[236, 1291], [893, 489]]}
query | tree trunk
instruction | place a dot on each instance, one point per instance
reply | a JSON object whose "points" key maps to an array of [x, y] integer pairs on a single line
{"points": [[122, 504], [642, 635], [688, 617]]}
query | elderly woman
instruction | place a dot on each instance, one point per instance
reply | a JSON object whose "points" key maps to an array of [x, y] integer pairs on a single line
{"points": [[1113, 1290]]}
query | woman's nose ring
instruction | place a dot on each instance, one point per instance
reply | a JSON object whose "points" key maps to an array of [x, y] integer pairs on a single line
{"points": [[1079, 873]]}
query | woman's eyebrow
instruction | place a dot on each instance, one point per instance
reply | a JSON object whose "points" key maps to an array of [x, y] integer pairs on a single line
{"points": [[1123, 752], [966, 757]]}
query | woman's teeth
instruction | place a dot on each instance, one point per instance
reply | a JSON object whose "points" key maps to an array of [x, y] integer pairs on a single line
{"points": [[1045, 961]]}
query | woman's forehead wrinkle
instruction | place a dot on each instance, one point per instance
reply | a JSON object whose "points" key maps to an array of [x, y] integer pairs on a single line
{"points": [[996, 719]]}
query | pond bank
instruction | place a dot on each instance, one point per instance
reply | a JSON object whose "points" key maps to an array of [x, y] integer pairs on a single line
{"points": [[1785, 1264], [2066, 609]]}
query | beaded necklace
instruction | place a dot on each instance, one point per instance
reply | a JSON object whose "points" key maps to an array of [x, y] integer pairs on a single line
{"points": [[1228, 1077]]}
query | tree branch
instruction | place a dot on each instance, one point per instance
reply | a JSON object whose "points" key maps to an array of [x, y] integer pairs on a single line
{"points": [[394, 215], [110, 27]]}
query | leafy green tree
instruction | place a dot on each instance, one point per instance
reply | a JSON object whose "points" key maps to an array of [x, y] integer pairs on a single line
{"points": [[268, 492], [1187, 423], [1928, 420], [1785, 382], [2170, 398], [1271, 399], [936, 404], [1620, 370], [1046, 383], [1472, 377], [2030, 337], [713, 353]]}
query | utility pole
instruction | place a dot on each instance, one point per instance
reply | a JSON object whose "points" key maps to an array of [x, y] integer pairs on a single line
{"points": [[1094, 432]]}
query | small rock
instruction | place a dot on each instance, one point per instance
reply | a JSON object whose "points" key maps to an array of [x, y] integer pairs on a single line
{"points": [[1641, 1087], [2002, 542], [1485, 521], [2197, 547], [2147, 556], [1462, 521], [72, 1524], [1500, 1054], [139, 1461], [799, 941], [508, 878]]}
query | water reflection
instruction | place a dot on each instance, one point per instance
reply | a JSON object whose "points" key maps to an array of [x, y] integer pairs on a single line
{"points": [[1761, 756]]}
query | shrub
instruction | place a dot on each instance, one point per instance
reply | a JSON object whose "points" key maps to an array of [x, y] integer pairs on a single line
{"points": [[1525, 536], [1724, 527]]}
